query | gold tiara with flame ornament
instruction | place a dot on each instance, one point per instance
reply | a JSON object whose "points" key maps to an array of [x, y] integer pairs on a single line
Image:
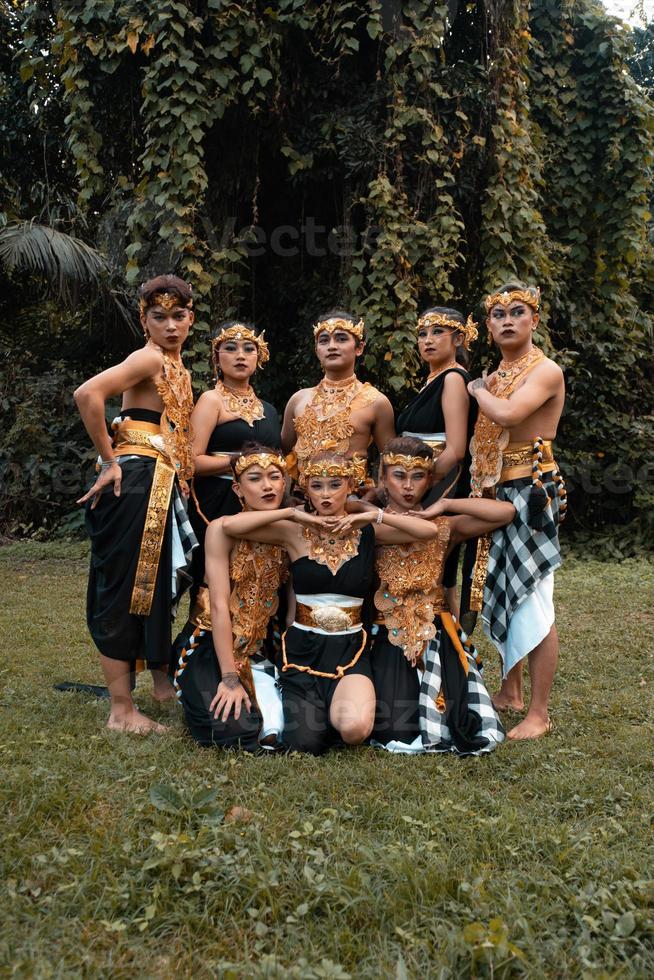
{"points": [[168, 301], [240, 332], [468, 329], [408, 462], [265, 460], [530, 297], [343, 469], [338, 323]]}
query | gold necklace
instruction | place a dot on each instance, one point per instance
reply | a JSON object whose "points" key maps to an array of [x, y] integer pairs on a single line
{"points": [[241, 402], [434, 374], [333, 397], [331, 550], [508, 371]]}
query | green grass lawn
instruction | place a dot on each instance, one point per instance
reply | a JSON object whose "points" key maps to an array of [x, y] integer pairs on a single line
{"points": [[535, 861]]}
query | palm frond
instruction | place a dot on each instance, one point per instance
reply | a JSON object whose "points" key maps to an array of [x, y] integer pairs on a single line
{"points": [[67, 264]]}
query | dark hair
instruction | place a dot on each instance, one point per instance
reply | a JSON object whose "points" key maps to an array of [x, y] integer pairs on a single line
{"points": [[407, 446], [166, 284], [224, 325], [462, 355]]}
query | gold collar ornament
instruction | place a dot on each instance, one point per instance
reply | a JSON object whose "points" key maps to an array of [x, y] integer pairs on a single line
{"points": [[168, 301], [330, 549], [240, 332], [468, 329], [265, 460], [242, 402], [408, 462], [530, 297], [338, 323], [325, 470]]}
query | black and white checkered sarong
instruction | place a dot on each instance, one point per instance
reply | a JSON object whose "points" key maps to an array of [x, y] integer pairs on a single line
{"points": [[189, 542], [519, 556], [436, 735]]}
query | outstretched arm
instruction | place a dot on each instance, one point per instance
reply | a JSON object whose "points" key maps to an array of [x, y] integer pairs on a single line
{"points": [[230, 693], [269, 526], [472, 517]]}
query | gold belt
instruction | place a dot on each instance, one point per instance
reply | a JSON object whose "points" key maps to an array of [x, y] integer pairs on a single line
{"points": [[331, 619], [138, 439], [518, 459]]}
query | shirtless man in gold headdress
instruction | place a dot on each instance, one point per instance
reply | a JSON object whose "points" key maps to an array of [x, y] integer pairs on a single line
{"points": [[140, 537], [520, 405], [341, 413]]}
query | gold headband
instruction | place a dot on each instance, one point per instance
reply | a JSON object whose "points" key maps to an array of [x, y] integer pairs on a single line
{"points": [[167, 300], [325, 468], [241, 332], [264, 460], [338, 323], [408, 462], [529, 296], [468, 329]]}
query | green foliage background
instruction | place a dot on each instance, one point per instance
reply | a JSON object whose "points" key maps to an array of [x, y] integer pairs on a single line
{"points": [[445, 147]]}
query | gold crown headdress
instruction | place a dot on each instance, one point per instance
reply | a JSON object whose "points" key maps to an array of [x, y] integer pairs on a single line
{"points": [[408, 462], [166, 300], [328, 468], [529, 296], [240, 332], [264, 460], [339, 323], [468, 329]]}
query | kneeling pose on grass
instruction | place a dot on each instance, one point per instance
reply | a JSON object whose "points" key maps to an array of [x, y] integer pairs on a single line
{"points": [[430, 695], [223, 672], [325, 677]]}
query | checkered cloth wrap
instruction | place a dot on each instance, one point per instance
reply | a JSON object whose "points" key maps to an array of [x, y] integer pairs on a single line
{"points": [[519, 557], [189, 542], [436, 736]]}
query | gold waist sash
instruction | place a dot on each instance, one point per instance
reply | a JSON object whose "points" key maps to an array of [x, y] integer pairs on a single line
{"points": [[518, 460], [138, 439], [331, 619], [144, 439]]}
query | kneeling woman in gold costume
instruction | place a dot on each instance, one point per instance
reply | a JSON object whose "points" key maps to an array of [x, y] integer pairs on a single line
{"points": [[430, 695], [327, 690], [223, 676]]}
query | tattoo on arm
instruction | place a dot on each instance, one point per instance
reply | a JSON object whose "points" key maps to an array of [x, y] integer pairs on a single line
{"points": [[231, 680], [478, 383]]}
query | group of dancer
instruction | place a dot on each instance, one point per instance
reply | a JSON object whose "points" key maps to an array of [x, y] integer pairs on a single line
{"points": [[326, 607]]}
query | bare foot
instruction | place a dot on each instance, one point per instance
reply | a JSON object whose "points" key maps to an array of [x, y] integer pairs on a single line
{"points": [[162, 689], [530, 728], [134, 721], [504, 702]]}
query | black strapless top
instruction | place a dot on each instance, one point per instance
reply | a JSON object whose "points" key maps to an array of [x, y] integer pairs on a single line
{"points": [[425, 412], [354, 578], [231, 436], [141, 415]]}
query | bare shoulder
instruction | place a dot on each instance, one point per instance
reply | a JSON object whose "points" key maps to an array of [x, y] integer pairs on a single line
{"points": [[209, 399], [298, 398], [146, 357], [549, 370], [216, 538]]}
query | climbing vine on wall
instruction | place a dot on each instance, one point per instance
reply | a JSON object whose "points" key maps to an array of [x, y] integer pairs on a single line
{"points": [[385, 156]]}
